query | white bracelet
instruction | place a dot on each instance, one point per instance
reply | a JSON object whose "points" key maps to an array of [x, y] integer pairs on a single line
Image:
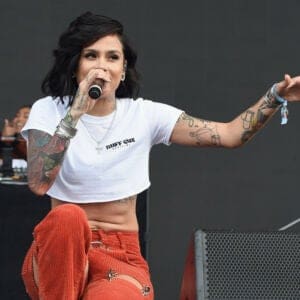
{"points": [[283, 102], [64, 130]]}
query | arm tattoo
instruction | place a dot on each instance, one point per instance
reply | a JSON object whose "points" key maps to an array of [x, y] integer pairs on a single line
{"points": [[82, 100], [269, 101], [203, 132], [184, 117], [69, 119], [248, 119], [253, 121], [45, 156], [207, 130]]}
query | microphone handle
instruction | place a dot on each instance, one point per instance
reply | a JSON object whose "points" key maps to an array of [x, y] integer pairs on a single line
{"points": [[95, 91]]}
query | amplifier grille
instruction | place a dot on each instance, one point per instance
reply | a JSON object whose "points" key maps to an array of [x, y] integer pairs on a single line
{"points": [[251, 265]]}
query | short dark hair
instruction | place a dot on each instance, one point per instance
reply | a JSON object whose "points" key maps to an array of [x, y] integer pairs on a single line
{"points": [[25, 106], [82, 32]]}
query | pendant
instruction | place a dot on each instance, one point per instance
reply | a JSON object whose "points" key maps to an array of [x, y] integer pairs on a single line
{"points": [[99, 149]]}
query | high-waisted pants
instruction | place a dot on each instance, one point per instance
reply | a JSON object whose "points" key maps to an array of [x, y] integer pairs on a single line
{"points": [[63, 246]]}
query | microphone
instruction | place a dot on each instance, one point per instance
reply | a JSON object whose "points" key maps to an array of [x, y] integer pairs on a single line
{"points": [[95, 91]]}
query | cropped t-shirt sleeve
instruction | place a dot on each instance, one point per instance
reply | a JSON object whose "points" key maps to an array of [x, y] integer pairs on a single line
{"points": [[161, 119], [44, 115]]}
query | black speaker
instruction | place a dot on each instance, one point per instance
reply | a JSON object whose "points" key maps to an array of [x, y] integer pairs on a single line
{"points": [[227, 265], [142, 211]]}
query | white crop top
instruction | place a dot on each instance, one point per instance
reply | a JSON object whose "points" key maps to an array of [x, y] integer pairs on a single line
{"points": [[119, 167]]}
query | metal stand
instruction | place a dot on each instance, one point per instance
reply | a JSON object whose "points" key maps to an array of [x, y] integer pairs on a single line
{"points": [[7, 147]]}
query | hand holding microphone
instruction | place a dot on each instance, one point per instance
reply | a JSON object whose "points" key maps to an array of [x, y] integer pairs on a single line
{"points": [[97, 79], [95, 91], [90, 89]]}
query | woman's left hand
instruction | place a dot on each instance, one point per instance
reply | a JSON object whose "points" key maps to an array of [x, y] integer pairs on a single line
{"points": [[289, 88]]}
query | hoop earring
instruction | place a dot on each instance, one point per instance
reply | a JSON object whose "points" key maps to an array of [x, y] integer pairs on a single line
{"points": [[123, 76]]}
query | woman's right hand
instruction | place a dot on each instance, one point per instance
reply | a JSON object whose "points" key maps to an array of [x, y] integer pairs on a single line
{"points": [[82, 102]]}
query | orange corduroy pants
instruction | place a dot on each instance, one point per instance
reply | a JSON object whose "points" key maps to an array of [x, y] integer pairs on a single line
{"points": [[63, 246]]}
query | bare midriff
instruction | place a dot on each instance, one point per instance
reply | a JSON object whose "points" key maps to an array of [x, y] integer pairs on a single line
{"points": [[119, 215]]}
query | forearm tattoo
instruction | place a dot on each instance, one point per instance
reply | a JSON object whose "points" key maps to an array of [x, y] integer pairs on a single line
{"points": [[69, 119], [269, 101], [80, 100], [204, 132], [45, 156], [253, 120]]}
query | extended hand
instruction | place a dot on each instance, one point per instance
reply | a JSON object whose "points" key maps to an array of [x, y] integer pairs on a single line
{"points": [[289, 88], [9, 128]]}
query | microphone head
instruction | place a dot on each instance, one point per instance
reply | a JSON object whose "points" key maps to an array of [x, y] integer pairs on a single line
{"points": [[95, 91]]}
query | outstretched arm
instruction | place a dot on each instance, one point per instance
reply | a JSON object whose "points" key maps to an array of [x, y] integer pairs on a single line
{"points": [[196, 132]]}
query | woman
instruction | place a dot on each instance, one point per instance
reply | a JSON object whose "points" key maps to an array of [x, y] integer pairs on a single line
{"points": [[91, 158]]}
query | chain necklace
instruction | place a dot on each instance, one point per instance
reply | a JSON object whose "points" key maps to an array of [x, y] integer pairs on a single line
{"points": [[99, 147]]}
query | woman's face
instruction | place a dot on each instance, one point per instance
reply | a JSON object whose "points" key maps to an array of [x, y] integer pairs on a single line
{"points": [[21, 118], [106, 54]]}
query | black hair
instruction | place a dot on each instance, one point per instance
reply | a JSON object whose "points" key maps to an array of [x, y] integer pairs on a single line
{"points": [[82, 32], [25, 106]]}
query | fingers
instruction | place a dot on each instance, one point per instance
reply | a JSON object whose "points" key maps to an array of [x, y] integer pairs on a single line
{"points": [[94, 76], [288, 81], [287, 78], [8, 128], [5, 126], [82, 102], [8, 123]]}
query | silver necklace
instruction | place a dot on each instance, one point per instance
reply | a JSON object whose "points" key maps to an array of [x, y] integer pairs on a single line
{"points": [[99, 147]]}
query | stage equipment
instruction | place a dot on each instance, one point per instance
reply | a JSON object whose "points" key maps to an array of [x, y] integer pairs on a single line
{"points": [[228, 265]]}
